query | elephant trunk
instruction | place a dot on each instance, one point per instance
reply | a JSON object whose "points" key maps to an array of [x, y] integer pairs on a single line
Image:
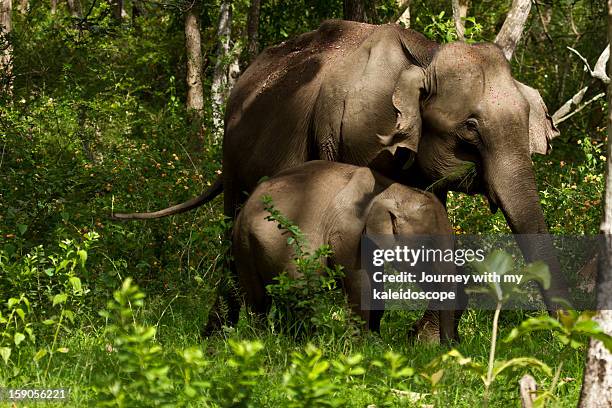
{"points": [[512, 187]]}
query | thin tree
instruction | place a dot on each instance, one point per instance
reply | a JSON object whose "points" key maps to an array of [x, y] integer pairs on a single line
{"points": [[6, 50], [597, 383], [137, 11], [510, 33], [460, 8], [119, 9], [354, 10], [53, 6], [75, 8], [253, 30], [220, 73], [193, 46]]}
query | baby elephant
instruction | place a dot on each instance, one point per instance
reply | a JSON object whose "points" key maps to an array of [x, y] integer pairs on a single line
{"points": [[332, 203]]}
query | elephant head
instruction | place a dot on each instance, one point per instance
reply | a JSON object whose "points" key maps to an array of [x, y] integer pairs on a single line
{"points": [[473, 129]]}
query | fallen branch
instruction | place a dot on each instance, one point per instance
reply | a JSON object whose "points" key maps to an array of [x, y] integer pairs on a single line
{"points": [[598, 72], [567, 106]]}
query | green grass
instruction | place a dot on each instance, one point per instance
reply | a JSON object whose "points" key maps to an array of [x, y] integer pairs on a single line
{"points": [[88, 357]]}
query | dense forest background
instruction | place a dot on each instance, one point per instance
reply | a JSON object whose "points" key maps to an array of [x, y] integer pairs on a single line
{"points": [[94, 118]]}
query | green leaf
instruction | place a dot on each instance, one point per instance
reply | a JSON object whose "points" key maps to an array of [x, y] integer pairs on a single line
{"points": [[59, 298], [543, 322], [318, 369], [82, 257], [605, 339], [436, 377], [22, 228], [500, 366], [5, 353], [40, 354], [76, 284], [18, 338]]}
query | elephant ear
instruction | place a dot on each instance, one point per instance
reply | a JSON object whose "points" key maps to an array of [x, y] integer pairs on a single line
{"points": [[350, 205], [541, 127], [407, 102], [381, 218]]}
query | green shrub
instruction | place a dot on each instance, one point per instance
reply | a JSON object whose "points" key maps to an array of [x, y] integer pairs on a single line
{"points": [[313, 302]]}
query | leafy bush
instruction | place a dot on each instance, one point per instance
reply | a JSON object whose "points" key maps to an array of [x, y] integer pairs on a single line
{"points": [[443, 29], [313, 302], [50, 294]]}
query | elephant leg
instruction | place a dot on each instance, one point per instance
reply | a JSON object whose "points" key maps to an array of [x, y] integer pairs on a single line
{"points": [[227, 303], [353, 286], [256, 299], [427, 329], [375, 318], [436, 326], [448, 332], [232, 296]]}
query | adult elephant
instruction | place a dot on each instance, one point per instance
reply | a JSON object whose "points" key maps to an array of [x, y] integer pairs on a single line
{"points": [[444, 117]]}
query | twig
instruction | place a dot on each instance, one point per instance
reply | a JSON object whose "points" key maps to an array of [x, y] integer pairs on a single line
{"points": [[599, 71], [2, 155], [581, 107], [567, 106], [537, 4]]}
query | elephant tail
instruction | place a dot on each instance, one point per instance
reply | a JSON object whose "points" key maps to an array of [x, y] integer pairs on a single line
{"points": [[195, 202]]}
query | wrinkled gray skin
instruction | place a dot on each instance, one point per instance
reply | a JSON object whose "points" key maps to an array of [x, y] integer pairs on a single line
{"points": [[333, 204], [386, 97]]}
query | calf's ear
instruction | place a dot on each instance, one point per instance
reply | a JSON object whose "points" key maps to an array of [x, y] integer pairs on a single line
{"points": [[381, 218]]}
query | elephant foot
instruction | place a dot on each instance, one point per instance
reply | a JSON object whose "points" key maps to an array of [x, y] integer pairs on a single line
{"points": [[427, 330]]}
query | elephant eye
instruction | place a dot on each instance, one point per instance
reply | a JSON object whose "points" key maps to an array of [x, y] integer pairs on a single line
{"points": [[472, 124]]}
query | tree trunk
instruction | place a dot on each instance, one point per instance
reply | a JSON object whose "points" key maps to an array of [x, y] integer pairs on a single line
{"points": [[354, 10], [136, 12], [24, 5], [253, 30], [404, 8], [220, 74], [510, 33], [193, 45], [119, 9], [75, 8], [597, 384], [233, 71], [459, 14], [6, 56], [53, 6]]}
